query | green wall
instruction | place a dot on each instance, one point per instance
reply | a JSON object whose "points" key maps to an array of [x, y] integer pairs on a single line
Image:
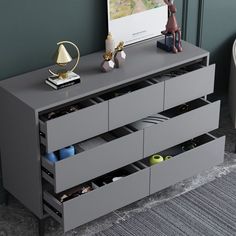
{"points": [[218, 34], [215, 31], [31, 28]]}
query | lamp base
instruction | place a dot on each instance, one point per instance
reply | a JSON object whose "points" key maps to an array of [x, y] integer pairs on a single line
{"points": [[58, 82]]}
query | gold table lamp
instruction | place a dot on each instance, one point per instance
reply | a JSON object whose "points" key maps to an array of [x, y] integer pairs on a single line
{"points": [[64, 77]]}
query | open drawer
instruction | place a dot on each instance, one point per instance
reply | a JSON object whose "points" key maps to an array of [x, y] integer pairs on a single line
{"points": [[94, 158], [103, 197], [186, 162], [134, 102], [62, 128], [194, 82], [182, 123]]}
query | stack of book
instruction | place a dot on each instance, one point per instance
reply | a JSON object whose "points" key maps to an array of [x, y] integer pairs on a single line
{"points": [[58, 82]]}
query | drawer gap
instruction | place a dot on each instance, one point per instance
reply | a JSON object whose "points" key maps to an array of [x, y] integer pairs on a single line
{"points": [[121, 132], [148, 121], [141, 164], [178, 71], [181, 148], [53, 209], [96, 183], [94, 186], [136, 167], [98, 99], [66, 110], [117, 174], [184, 108], [51, 175], [91, 143], [150, 82], [41, 134], [154, 81], [126, 90]]}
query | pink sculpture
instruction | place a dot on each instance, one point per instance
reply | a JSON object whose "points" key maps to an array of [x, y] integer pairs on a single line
{"points": [[172, 29]]}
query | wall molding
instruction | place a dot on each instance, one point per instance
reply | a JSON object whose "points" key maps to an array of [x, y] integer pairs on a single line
{"points": [[185, 19], [201, 6]]}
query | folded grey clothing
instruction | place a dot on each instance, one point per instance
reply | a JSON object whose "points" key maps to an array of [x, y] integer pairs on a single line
{"points": [[148, 121], [92, 143]]}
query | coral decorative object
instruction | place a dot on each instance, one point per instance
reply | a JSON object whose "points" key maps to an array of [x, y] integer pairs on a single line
{"points": [[107, 64], [120, 55], [172, 32]]}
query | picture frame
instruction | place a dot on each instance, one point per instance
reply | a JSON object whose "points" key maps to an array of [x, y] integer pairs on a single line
{"points": [[132, 21]]}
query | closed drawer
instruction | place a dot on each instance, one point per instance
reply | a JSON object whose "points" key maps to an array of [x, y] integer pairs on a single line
{"points": [[189, 86], [95, 157], [200, 117], [134, 102], [90, 120], [105, 197], [182, 165]]}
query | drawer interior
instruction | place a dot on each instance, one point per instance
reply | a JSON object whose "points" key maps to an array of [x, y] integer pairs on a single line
{"points": [[181, 148], [110, 136], [128, 89], [94, 184], [168, 114], [53, 203], [179, 71], [186, 107], [87, 145], [50, 115]]}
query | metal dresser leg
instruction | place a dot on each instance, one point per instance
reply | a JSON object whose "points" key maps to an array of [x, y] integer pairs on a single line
{"points": [[5, 198], [41, 229]]}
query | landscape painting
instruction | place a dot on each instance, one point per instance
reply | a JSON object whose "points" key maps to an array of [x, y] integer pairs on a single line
{"points": [[132, 21], [122, 8]]}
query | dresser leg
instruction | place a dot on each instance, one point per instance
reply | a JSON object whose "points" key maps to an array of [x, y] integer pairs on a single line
{"points": [[5, 198], [41, 227]]}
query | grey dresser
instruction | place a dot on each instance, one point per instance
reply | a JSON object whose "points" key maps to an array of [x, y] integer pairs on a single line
{"points": [[170, 88]]}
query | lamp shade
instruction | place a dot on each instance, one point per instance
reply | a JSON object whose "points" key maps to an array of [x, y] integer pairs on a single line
{"points": [[62, 57]]}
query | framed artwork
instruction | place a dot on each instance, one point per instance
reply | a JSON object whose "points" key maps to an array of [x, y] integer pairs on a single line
{"points": [[136, 20]]}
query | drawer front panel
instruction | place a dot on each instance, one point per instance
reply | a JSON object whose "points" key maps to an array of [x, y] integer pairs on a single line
{"points": [[181, 128], [98, 161], [77, 126], [189, 86], [136, 105], [103, 200], [187, 164]]}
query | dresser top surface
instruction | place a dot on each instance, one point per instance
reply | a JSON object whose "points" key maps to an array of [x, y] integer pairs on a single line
{"points": [[143, 59]]}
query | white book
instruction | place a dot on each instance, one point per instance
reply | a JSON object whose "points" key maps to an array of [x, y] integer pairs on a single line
{"points": [[58, 81], [62, 85]]}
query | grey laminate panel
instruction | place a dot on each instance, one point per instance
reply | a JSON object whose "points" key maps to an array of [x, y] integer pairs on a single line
{"points": [[20, 153], [98, 161], [187, 164], [77, 126], [181, 128], [136, 105], [48, 165], [105, 199], [53, 201], [143, 59], [53, 214], [189, 86]]}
